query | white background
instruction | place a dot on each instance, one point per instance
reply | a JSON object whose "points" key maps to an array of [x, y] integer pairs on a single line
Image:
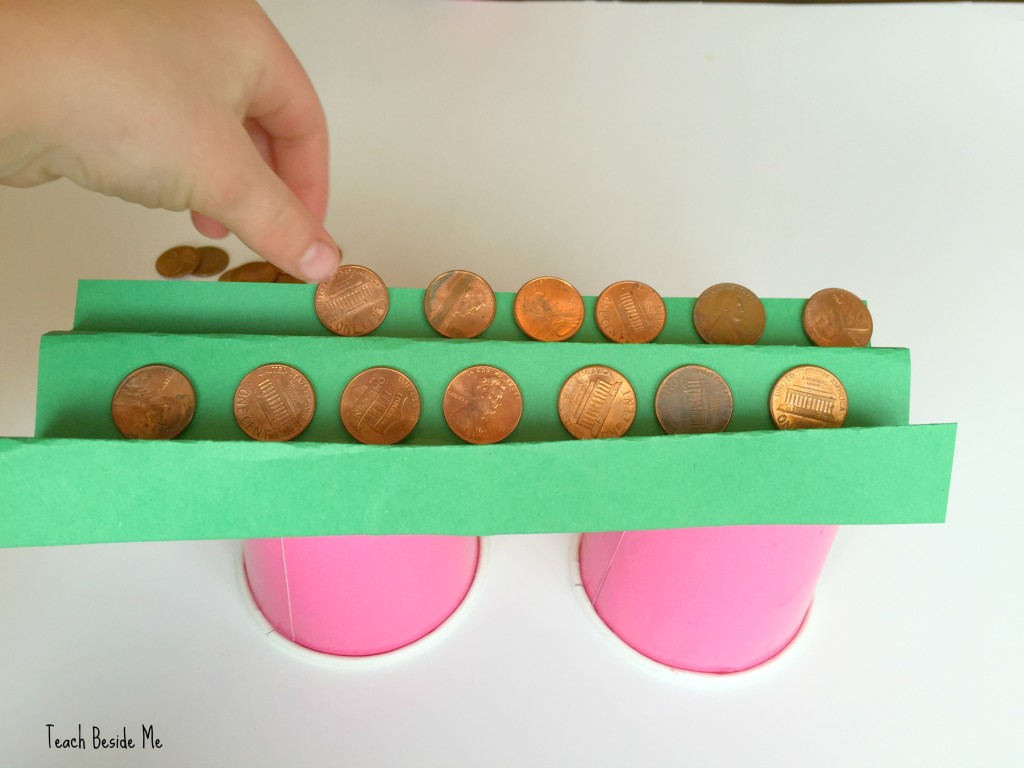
{"points": [[876, 148]]}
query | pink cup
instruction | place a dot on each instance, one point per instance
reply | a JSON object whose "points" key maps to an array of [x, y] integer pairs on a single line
{"points": [[359, 595], [705, 599]]}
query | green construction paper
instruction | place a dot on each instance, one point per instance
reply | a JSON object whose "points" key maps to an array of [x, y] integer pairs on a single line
{"points": [[78, 373], [89, 491], [80, 482], [287, 310]]}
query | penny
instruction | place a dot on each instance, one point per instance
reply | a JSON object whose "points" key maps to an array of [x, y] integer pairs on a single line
{"points": [[729, 314], [212, 261], [548, 309], [284, 277], [380, 406], [597, 401], [836, 318], [155, 402], [692, 400], [274, 402], [459, 304], [630, 312], [353, 302], [807, 397], [252, 272], [178, 261], [482, 405]]}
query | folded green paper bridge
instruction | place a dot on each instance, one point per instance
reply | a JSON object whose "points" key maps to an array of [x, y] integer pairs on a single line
{"points": [[79, 482]]}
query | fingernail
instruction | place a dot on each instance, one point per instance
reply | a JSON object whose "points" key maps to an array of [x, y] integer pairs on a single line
{"points": [[319, 262]]}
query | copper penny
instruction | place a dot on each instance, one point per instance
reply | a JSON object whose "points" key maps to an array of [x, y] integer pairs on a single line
{"points": [[729, 314], [692, 400], [178, 262], [252, 272], [807, 397], [630, 312], [597, 402], [155, 402], [548, 309], [284, 277], [212, 261], [380, 406], [459, 304], [836, 318], [274, 403], [353, 302], [482, 405]]}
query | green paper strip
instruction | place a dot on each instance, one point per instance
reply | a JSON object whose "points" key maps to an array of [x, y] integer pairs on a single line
{"points": [[78, 489], [287, 310], [91, 491], [78, 373]]}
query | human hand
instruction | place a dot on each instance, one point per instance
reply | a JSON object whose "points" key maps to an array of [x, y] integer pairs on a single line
{"points": [[181, 105]]}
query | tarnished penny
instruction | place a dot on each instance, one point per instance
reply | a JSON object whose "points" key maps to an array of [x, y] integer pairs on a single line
{"points": [[284, 277], [155, 402], [459, 304], [178, 262], [693, 399], [548, 309], [212, 261], [836, 318], [380, 406], [597, 402], [729, 314], [482, 405], [353, 302], [252, 272], [274, 403], [630, 312], [807, 397]]}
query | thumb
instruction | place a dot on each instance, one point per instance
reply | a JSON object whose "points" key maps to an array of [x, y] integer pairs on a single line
{"points": [[247, 197]]}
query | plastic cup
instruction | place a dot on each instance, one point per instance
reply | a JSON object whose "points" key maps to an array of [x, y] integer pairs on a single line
{"points": [[359, 595], [705, 599]]}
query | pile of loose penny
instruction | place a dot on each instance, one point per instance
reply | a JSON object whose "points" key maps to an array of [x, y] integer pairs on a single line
{"points": [[258, 272], [184, 260], [483, 404], [208, 260]]}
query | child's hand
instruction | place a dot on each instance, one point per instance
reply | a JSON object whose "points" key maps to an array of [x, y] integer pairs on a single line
{"points": [[178, 104]]}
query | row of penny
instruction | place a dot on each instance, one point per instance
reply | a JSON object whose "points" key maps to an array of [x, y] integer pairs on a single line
{"points": [[460, 304], [482, 404]]}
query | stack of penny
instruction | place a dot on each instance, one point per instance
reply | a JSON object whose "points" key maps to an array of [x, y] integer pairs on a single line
{"points": [[184, 260], [208, 261], [258, 272]]}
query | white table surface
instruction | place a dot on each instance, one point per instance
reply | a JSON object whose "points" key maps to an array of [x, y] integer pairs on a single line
{"points": [[876, 148]]}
